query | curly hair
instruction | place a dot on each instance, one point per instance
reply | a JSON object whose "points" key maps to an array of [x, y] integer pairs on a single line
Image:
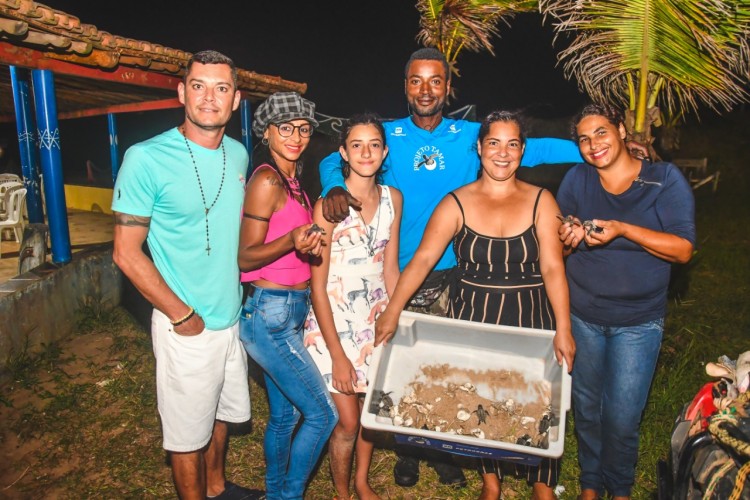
{"points": [[611, 113]]}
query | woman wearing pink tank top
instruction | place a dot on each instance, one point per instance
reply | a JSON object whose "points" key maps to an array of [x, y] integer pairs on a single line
{"points": [[277, 238]]}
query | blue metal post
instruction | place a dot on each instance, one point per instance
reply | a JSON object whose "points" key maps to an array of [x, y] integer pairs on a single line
{"points": [[113, 152], [49, 148], [247, 133], [27, 148]]}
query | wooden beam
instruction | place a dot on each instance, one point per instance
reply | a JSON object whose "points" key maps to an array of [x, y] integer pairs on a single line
{"points": [[117, 108], [34, 59], [123, 108], [95, 58]]}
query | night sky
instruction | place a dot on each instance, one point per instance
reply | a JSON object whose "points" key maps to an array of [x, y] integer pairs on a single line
{"points": [[351, 54]]}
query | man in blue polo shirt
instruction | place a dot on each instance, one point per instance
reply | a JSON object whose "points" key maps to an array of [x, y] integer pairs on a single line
{"points": [[429, 155]]}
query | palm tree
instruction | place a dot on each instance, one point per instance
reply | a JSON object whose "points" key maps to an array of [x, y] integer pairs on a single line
{"points": [[455, 25], [650, 53]]}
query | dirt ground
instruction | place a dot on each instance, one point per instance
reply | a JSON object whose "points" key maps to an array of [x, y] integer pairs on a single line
{"points": [[81, 422], [458, 408]]}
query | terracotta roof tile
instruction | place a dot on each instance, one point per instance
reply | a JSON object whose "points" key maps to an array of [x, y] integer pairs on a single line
{"points": [[32, 33]]}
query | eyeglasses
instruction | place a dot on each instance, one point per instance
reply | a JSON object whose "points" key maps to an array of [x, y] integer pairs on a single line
{"points": [[287, 129]]}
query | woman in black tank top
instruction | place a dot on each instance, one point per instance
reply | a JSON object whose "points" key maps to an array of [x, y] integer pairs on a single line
{"points": [[510, 264]]}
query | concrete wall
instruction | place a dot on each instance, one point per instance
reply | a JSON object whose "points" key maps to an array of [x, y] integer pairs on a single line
{"points": [[42, 306], [93, 199]]}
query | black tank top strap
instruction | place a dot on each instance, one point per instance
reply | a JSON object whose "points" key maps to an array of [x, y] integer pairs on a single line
{"points": [[460, 207], [536, 203]]}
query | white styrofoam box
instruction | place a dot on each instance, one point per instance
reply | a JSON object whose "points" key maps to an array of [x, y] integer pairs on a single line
{"points": [[423, 340]]}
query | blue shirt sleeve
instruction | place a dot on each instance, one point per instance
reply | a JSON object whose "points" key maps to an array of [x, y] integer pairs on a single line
{"points": [[675, 206], [330, 173], [135, 190], [546, 150], [566, 196]]}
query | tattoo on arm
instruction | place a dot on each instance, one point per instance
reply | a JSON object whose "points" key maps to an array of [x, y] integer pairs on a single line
{"points": [[131, 220]]}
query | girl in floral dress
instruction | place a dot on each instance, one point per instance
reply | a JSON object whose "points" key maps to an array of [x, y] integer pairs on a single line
{"points": [[350, 286]]}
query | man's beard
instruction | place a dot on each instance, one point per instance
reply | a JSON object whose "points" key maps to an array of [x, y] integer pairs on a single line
{"points": [[215, 126], [433, 110]]}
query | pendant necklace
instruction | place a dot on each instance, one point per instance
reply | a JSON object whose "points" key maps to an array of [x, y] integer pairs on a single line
{"points": [[371, 235], [200, 185]]}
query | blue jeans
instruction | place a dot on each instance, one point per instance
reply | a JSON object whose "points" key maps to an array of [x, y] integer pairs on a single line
{"points": [[271, 329], [612, 376]]}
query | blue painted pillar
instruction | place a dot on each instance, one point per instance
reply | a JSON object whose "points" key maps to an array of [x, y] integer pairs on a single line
{"points": [[27, 148], [114, 157], [246, 117], [49, 149]]}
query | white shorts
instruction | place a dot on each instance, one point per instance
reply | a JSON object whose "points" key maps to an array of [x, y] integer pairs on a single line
{"points": [[199, 379]]}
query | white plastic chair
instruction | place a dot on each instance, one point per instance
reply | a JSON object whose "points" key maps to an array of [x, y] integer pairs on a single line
{"points": [[16, 202], [10, 177], [5, 187]]}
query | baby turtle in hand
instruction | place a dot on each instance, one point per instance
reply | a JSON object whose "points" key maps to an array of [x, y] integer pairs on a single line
{"points": [[568, 220], [481, 414], [590, 227], [315, 229]]}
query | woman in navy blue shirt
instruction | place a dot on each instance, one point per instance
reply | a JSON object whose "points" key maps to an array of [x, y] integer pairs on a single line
{"points": [[627, 221]]}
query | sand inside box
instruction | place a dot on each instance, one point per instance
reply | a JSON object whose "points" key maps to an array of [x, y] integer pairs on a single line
{"points": [[447, 399]]}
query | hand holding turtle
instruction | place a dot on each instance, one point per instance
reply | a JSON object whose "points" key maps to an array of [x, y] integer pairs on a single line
{"points": [[306, 239], [571, 231], [600, 232]]}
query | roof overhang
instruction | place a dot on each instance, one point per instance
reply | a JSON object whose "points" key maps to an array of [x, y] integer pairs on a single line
{"points": [[96, 72]]}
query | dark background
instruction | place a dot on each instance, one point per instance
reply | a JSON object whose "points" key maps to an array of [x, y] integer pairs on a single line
{"points": [[350, 54]]}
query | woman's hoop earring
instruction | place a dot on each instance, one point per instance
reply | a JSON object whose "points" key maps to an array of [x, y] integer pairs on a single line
{"points": [[264, 141]]}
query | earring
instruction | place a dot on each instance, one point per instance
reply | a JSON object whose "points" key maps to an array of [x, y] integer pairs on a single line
{"points": [[264, 141]]}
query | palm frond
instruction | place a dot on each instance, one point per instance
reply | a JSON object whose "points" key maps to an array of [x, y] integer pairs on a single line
{"points": [[696, 49], [455, 25]]}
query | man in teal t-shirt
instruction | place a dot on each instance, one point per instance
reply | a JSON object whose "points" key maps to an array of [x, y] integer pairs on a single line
{"points": [[182, 192]]}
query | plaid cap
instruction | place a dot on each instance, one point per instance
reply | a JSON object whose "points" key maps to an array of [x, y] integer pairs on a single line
{"points": [[282, 107]]}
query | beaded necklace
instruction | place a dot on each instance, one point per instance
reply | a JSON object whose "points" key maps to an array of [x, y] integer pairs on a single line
{"points": [[297, 190], [200, 185]]}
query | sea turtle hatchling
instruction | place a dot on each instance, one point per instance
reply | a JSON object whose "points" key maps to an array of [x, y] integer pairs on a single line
{"points": [[525, 440], [482, 414], [315, 229], [569, 219], [381, 403], [590, 227], [549, 419], [544, 423]]}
